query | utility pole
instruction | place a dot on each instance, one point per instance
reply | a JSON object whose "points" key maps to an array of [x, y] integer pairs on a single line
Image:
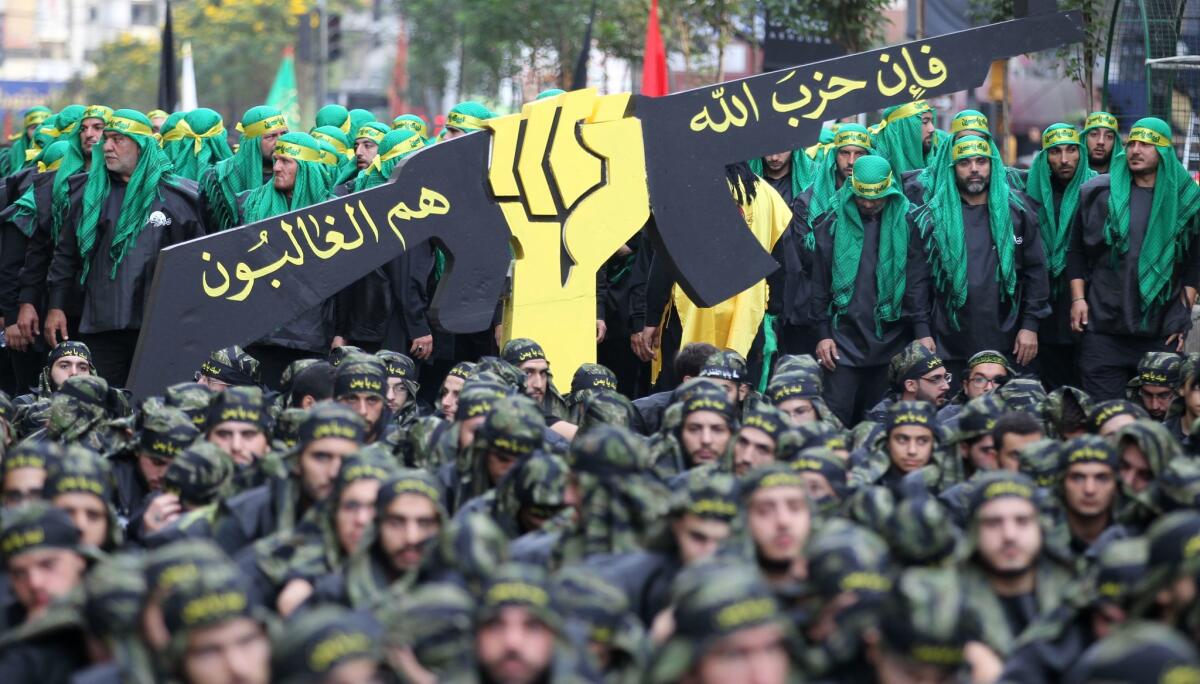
{"points": [[322, 54]]}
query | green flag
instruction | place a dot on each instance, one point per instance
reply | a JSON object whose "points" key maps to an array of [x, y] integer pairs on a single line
{"points": [[283, 95]]}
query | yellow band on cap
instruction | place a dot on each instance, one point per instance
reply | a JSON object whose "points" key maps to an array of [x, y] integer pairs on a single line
{"points": [[410, 125], [463, 121], [337, 144], [370, 134], [35, 118], [972, 148], [42, 167], [1101, 120], [969, 123], [299, 152], [126, 126], [871, 190], [411, 145], [49, 131], [213, 132], [1060, 136], [32, 153], [910, 109], [260, 128], [858, 138], [1143, 134], [97, 112], [180, 131]]}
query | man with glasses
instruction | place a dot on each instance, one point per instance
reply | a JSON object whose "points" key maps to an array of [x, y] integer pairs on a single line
{"points": [[24, 471], [986, 371], [1157, 383], [914, 374]]}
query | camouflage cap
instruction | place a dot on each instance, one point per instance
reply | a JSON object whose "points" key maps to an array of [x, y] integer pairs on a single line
{"points": [[987, 356], [608, 452], [1137, 653], [470, 546], [707, 398], [200, 474], [30, 454], [360, 374], [925, 619], [373, 462], [793, 385], [115, 591], [978, 417], [514, 425], [726, 365], [397, 365], [1107, 410], [586, 596], [241, 405], [436, 620], [328, 419], [913, 362], [593, 376], [605, 407], [215, 597], [809, 435], [37, 525], [232, 366], [181, 561], [997, 484], [166, 431], [1087, 449], [805, 364], [477, 398], [713, 601], [292, 371], [921, 532], [1039, 461], [1066, 410], [765, 417], [1152, 439], [843, 557], [193, 399], [712, 495], [1174, 541], [769, 476], [540, 483], [82, 400], [287, 428], [70, 348], [1189, 369], [1023, 394], [520, 585], [80, 470], [339, 354], [315, 643], [1119, 567], [32, 417], [1159, 369], [872, 507], [916, 413], [823, 462], [409, 481], [502, 372], [518, 351], [1178, 486]]}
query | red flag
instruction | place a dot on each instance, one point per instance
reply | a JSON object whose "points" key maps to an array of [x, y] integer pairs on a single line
{"points": [[654, 59]]}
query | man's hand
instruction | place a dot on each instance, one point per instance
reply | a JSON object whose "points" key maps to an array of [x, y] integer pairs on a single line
{"points": [[928, 343], [827, 353], [1177, 341], [601, 330], [162, 511], [56, 327], [650, 340], [1079, 315], [498, 333], [422, 347], [16, 340], [294, 593], [27, 321], [1026, 348]]}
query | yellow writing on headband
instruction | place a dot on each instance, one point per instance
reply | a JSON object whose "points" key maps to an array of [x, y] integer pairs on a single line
{"points": [[1143, 134], [299, 152], [370, 134], [128, 127], [971, 122], [1059, 136], [858, 138], [1101, 120], [260, 128], [871, 190], [463, 121], [972, 148], [910, 109]]}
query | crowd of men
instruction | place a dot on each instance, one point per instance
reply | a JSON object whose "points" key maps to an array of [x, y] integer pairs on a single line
{"points": [[953, 437]]}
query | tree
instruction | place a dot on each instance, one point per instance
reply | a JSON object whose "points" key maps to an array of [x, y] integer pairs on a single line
{"points": [[856, 25]]}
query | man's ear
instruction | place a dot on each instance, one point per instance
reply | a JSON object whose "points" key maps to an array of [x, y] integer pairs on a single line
{"points": [[910, 386]]}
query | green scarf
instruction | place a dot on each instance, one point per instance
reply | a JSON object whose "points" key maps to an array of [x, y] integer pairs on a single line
{"points": [[803, 170], [143, 189], [244, 170], [412, 122], [941, 225], [312, 185], [824, 188], [333, 115], [898, 136], [203, 143], [467, 117], [49, 161], [343, 147], [966, 121], [21, 141], [396, 146], [1056, 229], [1171, 224], [174, 136], [71, 165], [873, 179]]}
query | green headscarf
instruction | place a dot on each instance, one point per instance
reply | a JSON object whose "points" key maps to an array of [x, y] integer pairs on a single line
{"points": [[873, 179], [1102, 120], [152, 169], [467, 117], [1171, 224], [394, 147], [173, 136], [1056, 229], [898, 136], [244, 170], [358, 119], [824, 183], [966, 121], [203, 145], [311, 186], [343, 148], [71, 165], [21, 140], [803, 170], [333, 115], [49, 161], [412, 122], [942, 226]]}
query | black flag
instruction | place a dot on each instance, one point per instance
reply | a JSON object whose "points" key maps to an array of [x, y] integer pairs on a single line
{"points": [[580, 79], [168, 85]]}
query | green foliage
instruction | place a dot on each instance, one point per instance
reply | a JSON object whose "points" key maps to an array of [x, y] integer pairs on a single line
{"points": [[856, 25]]}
